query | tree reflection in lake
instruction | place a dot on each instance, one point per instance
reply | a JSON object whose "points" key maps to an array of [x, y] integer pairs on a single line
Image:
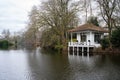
{"points": [[40, 65]]}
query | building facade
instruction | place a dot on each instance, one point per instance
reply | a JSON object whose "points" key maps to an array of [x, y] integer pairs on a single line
{"points": [[87, 35]]}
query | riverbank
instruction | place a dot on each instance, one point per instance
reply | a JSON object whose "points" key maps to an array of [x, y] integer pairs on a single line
{"points": [[107, 51]]}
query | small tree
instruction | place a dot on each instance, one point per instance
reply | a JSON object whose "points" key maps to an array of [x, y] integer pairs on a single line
{"points": [[104, 43], [6, 34]]}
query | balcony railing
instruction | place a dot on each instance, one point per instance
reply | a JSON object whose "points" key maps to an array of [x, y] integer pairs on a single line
{"points": [[77, 43], [82, 44]]}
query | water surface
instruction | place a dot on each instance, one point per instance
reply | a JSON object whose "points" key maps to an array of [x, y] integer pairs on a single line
{"points": [[41, 65]]}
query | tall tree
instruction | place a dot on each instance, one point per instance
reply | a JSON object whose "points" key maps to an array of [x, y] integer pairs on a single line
{"points": [[32, 27], [107, 8], [87, 8], [117, 15], [58, 16]]}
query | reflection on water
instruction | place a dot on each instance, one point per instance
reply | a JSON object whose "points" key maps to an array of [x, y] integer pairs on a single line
{"points": [[40, 65]]}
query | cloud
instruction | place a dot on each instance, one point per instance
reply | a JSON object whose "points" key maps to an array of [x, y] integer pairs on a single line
{"points": [[14, 13]]}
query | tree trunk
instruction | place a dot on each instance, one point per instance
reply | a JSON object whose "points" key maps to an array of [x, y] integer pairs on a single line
{"points": [[110, 44], [110, 33], [64, 44]]}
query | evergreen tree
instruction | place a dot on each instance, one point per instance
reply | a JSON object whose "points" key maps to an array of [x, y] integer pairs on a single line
{"points": [[93, 20], [115, 39]]}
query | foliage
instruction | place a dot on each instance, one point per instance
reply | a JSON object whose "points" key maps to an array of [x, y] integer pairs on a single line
{"points": [[4, 44], [57, 16], [74, 40], [49, 39], [93, 20], [32, 28], [115, 39], [29, 38], [104, 43], [107, 8]]}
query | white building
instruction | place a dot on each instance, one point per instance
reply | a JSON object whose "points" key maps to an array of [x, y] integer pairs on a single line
{"points": [[87, 35]]}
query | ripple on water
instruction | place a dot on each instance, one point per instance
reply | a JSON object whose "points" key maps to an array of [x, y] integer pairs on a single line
{"points": [[34, 65]]}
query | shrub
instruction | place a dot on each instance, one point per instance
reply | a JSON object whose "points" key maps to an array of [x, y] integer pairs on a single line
{"points": [[115, 38], [104, 43], [4, 44]]}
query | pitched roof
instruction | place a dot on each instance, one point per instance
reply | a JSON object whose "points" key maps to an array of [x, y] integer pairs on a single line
{"points": [[88, 26]]}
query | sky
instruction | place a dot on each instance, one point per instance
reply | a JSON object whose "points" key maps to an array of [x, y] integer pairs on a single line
{"points": [[14, 14]]}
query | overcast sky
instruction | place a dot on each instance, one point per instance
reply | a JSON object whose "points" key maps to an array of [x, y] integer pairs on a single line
{"points": [[14, 13]]}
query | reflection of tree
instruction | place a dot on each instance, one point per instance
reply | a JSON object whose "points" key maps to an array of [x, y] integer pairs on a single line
{"points": [[115, 59], [48, 66]]}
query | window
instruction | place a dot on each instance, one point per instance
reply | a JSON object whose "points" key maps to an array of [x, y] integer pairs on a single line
{"points": [[83, 38], [97, 38]]}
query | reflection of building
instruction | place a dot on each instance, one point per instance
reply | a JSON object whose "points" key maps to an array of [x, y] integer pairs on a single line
{"points": [[88, 35]]}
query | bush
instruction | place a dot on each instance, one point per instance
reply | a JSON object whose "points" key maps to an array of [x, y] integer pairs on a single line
{"points": [[115, 38], [104, 43], [4, 44]]}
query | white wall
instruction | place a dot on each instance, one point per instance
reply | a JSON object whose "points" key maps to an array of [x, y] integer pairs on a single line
{"points": [[78, 37], [90, 36]]}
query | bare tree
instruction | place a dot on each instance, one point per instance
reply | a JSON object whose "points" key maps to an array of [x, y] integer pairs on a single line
{"points": [[59, 16], [32, 27], [117, 15], [87, 8], [107, 8]]}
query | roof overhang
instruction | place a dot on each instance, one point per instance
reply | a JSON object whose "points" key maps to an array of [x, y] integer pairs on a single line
{"points": [[88, 27]]}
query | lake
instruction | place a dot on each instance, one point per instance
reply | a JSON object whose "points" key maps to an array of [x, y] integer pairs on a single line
{"points": [[43, 65]]}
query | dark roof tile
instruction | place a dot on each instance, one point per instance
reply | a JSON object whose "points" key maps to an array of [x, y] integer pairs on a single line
{"points": [[88, 26]]}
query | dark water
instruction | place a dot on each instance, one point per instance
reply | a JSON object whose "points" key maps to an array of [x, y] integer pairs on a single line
{"points": [[37, 65]]}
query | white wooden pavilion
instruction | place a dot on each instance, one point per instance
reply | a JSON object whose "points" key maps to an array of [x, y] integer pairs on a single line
{"points": [[87, 36]]}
